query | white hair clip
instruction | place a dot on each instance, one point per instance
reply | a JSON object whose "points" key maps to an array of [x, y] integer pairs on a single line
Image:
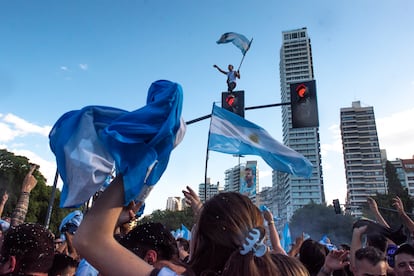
{"points": [[254, 244]]}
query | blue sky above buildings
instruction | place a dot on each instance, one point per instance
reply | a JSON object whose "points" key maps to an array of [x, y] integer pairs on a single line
{"points": [[57, 56]]}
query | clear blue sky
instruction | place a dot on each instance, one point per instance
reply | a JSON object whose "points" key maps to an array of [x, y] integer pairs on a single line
{"points": [[56, 56]]}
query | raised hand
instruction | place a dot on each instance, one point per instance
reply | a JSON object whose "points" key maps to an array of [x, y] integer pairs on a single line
{"points": [[29, 181], [5, 197], [372, 204], [398, 204], [192, 199]]}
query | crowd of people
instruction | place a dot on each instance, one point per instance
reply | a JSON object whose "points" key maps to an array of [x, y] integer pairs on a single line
{"points": [[229, 238]]}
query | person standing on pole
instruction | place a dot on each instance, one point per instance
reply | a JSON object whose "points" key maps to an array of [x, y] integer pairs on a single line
{"points": [[231, 76]]}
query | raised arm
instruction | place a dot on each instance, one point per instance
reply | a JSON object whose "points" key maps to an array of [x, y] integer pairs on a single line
{"points": [[220, 70], [20, 211], [356, 243], [335, 260], [408, 222], [4, 199], [274, 236], [374, 208], [192, 199], [94, 239]]}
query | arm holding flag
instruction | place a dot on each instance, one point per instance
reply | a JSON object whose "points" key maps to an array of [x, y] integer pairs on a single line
{"points": [[94, 245], [274, 236]]}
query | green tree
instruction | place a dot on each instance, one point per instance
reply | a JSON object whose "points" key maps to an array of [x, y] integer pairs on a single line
{"points": [[318, 220], [172, 220], [13, 169]]}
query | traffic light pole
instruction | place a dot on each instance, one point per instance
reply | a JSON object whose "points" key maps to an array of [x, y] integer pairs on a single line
{"points": [[246, 108]]}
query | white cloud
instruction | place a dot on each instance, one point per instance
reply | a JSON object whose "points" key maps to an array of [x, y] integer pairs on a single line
{"points": [[12, 127], [335, 144], [83, 66], [64, 68], [396, 134]]}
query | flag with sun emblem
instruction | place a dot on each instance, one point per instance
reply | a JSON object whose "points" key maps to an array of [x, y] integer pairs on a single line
{"points": [[232, 134]]}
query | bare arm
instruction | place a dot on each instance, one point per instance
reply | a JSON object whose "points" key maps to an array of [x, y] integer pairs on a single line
{"points": [[220, 70], [356, 243], [374, 208], [20, 211], [335, 260], [274, 236], [4, 199], [71, 250], [398, 204], [294, 251], [94, 237]]}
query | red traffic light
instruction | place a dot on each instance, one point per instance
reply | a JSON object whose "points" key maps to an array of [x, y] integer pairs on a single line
{"points": [[230, 100], [302, 90], [233, 102], [304, 104]]}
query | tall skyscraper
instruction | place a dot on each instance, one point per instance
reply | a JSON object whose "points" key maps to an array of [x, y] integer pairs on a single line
{"points": [[362, 156], [296, 66]]}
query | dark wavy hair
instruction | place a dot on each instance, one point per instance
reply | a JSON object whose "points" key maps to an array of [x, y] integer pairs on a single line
{"points": [[151, 236], [33, 247], [312, 254], [223, 225]]}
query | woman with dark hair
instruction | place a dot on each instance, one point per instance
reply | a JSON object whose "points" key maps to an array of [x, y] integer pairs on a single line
{"points": [[227, 239], [312, 254]]}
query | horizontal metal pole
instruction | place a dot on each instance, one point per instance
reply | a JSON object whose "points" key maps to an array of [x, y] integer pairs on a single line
{"points": [[246, 108]]}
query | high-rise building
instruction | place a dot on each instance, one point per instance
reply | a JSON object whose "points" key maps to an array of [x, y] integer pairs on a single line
{"points": [[296, 66], [243, 178], [208, 190], [364, 168], [174, 203], [405, 173]]}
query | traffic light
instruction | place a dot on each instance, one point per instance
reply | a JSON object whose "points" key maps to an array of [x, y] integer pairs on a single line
{"points": [[337, 206], [233, 101], [304, 104]]}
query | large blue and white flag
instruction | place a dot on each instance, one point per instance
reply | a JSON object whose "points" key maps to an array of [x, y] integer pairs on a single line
{"points": [[90, 142], [232, 134], [240, 41]]}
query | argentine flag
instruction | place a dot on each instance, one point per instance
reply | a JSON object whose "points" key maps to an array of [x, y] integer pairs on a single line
{"points": [[232, 134], [238, 40], [88, 143]]}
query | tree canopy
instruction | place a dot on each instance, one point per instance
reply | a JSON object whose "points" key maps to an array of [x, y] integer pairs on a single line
{"points": [[172, 220], [13, 169]]}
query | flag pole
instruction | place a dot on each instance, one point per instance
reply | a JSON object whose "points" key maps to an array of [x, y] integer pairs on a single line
{"points": [[207, 156], [241, 62]]}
